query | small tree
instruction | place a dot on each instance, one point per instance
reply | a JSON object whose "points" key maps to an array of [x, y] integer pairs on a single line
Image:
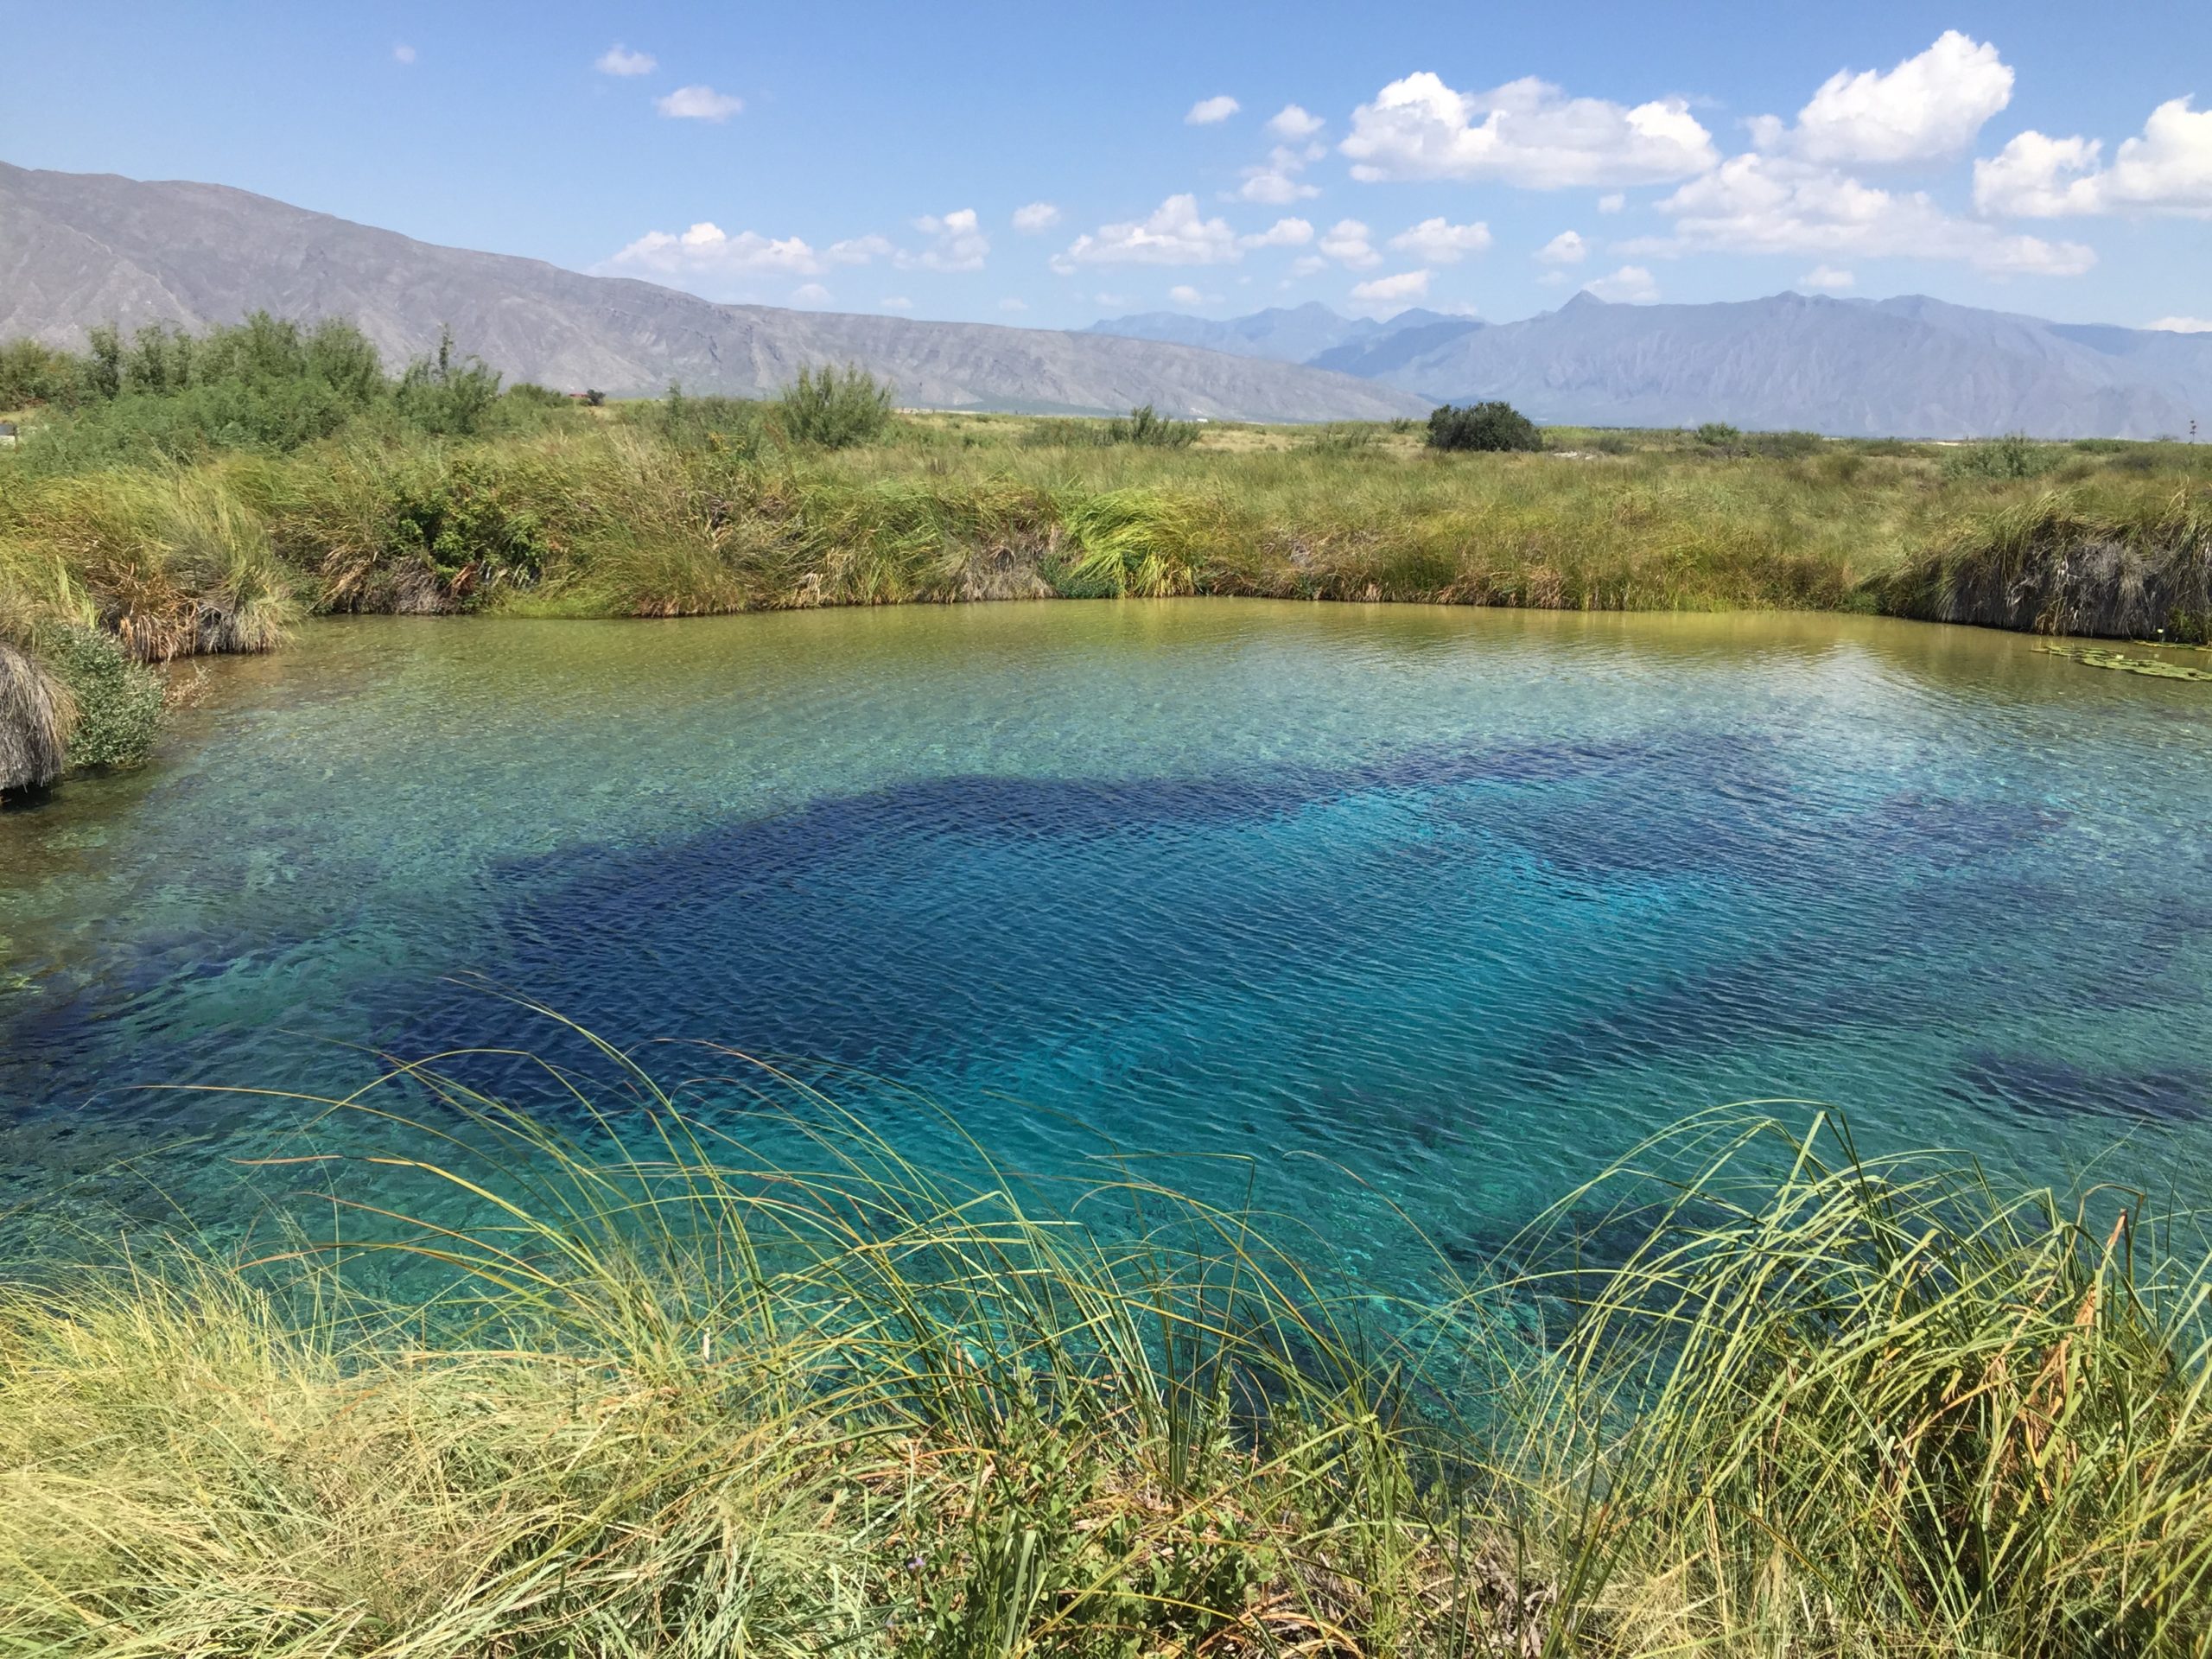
{"points": [[836, 408], [1483, 426], [448, 394]]}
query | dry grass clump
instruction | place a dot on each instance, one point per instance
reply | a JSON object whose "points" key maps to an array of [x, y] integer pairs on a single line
{"points": [[37, 715], [641, 1386]]}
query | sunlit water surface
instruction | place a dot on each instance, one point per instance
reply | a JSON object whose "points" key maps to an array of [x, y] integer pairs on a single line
{"points": [[1420, 910]]}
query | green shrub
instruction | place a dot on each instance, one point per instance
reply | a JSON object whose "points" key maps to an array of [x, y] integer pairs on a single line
{"points": [[1147, 426], [447, 394], [1493, 426], [266, 384], [2012, 456], [118, 702], [32, 373], [834, 408], [1716, 435], [466, 532]]}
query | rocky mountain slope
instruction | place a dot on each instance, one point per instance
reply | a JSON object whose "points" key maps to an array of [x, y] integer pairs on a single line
{"points": [[81, 249]]}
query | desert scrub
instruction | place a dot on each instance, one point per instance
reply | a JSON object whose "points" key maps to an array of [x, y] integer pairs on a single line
{"points": [[627, 1384]]}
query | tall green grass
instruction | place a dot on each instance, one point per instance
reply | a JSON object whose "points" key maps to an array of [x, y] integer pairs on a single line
{"points": [[699, 506], [642, 1379]]}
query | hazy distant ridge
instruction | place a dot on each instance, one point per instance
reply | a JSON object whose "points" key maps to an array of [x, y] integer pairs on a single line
{"points": [[1911, 366]]}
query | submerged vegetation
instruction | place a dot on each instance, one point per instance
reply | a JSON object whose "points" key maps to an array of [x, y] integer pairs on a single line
{"points": [[184, 494], [634, 1384]]}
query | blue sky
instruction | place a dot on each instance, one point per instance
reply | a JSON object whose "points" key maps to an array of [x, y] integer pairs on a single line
{"points": [[1218, 158]]}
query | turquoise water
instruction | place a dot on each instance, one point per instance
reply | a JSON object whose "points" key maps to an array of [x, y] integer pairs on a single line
{"points": [[1428, 910]]}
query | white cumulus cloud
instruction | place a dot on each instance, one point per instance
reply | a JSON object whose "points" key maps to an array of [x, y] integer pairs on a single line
{"points": [[620, 59], [1291, 123], [1827, 278], [698, 103], [958, 243], [1567, 248], [1035, 217], [2183, 325], [706, 256], [1276, 181], [1439, 242], [706, 249], [2167, 168], [1283, 233], [1927, 108], [1208, 112], [1381, 296], [403, 53], [1527, 132], [1183, 294], [1629, 285], [858, 250], [1612, 202], [1763, 203], [1346, 243], [1176, 233], [810, 294]]}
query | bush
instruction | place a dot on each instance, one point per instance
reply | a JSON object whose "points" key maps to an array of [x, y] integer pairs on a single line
{"points": [[118, 702], [835, 409], [32, 373], [1148, 426], [449, 395], [1494, 426], [2013, 455], [1716, 435], [265, 384], [461, 526]]}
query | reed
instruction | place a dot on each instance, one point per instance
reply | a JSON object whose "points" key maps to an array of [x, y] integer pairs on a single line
{"points": [[645, 1377]]}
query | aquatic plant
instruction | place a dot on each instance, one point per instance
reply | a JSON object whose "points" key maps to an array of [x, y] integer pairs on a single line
{"points": [[631, 1384]]}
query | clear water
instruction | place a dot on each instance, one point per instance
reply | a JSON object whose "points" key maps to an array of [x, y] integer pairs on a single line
{"points": [[1428, 909]]}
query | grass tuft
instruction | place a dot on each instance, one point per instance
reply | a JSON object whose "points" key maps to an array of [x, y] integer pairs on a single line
{"points": [[649, 1379]]}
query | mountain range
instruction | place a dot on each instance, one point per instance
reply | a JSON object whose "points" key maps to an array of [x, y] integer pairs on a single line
{"points": [[78, 250], [1912, 366]]}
